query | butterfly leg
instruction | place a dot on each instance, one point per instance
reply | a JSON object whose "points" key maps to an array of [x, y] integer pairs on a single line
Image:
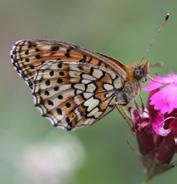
{"points": [[125, 114]]}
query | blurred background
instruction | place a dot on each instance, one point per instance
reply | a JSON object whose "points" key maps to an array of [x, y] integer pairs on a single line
{"points": [[31, 150]]}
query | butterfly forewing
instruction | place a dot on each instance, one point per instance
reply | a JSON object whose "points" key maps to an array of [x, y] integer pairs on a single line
{"points": [[28, 56]]}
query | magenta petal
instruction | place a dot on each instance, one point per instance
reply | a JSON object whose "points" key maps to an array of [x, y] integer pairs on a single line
{"points": [[172, 76], [154, 84], [159, 81], [158, 126], [165, 99]]}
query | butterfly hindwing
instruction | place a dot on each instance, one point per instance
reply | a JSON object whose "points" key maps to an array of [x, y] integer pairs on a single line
{"points": [[70, 95]]}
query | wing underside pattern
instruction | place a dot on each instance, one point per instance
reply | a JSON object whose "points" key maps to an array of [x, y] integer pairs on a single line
{"points": [[73, 87]]}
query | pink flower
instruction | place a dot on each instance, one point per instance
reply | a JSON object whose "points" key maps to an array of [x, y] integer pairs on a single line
{"points": [[155, 127], [164, 100]]}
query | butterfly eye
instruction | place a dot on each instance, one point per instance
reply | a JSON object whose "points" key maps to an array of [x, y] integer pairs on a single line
{"points": [[138, 73]]}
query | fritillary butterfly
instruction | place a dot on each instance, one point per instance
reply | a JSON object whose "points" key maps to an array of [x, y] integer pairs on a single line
{"points": [[72, 86]]}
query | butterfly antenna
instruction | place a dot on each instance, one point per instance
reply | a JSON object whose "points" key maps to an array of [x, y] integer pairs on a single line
{"points": [[166, 18], [158, 64]]}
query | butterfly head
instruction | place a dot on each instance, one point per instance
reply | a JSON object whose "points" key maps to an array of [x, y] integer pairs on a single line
{"points": [[140, 71]]}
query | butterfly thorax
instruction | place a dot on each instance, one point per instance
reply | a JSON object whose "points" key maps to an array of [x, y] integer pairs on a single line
{"points": [[136, 75], [128, 93]]}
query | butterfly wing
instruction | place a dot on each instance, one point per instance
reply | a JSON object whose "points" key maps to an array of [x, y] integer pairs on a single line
{"points": [[72, 86], [28, 56]]}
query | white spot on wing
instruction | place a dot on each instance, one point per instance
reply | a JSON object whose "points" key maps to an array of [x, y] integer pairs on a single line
{"points": [[78, 114], [41, 109], [97, 73], [78, 92], [87, 95], [91, 103], [108, 87], [35, 99], [91, 87], [84, 81], [117, 83], [88, 77], [80, 86], [95, 112]]}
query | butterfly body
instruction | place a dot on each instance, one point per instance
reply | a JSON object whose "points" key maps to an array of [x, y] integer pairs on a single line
{"points": [[72, 86]]}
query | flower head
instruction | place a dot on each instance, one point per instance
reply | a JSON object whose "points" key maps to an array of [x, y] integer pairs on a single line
{"points": [[155, 127]]}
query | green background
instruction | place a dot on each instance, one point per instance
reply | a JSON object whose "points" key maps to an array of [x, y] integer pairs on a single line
{"points": [[119, 28]]}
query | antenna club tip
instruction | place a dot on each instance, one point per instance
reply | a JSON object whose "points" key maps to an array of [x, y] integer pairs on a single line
{"points": [[158, 64], [167, 16]]}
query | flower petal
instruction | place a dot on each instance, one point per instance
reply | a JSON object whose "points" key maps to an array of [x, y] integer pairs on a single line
{"points": [[165, 99], [154, 84], [159, 81], [158, 125]]}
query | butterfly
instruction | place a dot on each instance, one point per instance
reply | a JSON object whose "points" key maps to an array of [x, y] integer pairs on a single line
{"points": [[72, 86]]}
